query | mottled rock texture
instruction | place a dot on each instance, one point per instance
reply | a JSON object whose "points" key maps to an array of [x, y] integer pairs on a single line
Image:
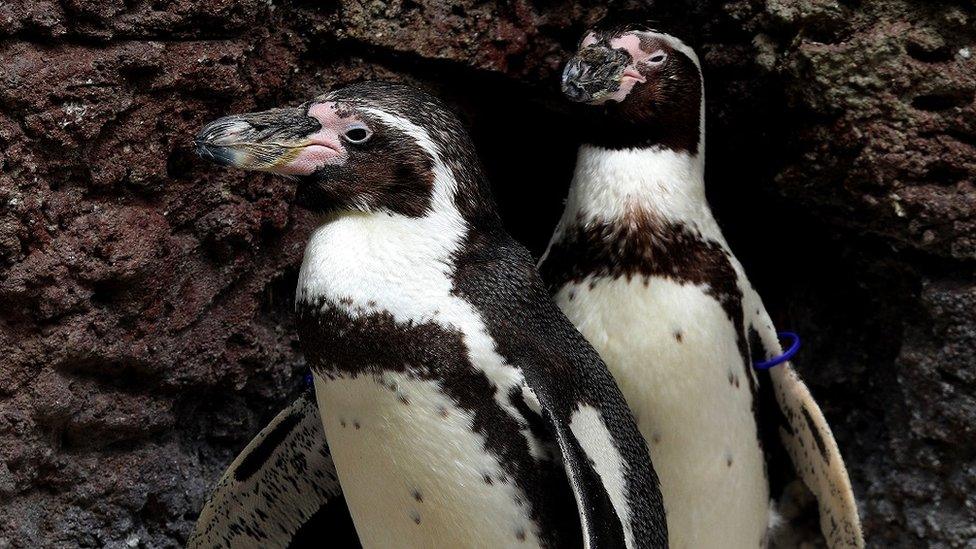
{"points": [[145, 296]]}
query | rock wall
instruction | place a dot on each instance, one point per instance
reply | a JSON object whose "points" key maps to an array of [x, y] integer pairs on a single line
{"points": [[145, 296]]}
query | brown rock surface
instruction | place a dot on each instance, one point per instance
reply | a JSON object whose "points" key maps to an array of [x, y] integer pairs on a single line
{"points": [[145, 296]]}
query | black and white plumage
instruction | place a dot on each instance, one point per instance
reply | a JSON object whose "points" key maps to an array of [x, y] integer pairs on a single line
{"points": [[641, 267], [461, 407]]}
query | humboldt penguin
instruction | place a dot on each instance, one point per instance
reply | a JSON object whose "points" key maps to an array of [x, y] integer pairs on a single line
{"points": [[640, 266], [461, 407]]}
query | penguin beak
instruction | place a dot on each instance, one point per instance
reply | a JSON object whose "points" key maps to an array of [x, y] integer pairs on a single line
{"points": [[269, 141], [594, 73]]}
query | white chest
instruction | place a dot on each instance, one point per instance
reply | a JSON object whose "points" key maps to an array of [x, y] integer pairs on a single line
{"points": [[414, 471], [673, 351], [379, 262]]}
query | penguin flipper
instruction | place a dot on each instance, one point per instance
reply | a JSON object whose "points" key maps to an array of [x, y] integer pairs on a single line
{"points": [[605, 457], [597, 476], [281, 491], [787, 407]]}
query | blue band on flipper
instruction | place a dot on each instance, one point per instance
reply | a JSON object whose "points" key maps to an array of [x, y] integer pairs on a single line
{"points": [[776, 361], [308, 380]]}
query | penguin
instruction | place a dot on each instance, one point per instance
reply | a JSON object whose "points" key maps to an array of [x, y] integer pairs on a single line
{"points": [[460, 406], [640, 266]]}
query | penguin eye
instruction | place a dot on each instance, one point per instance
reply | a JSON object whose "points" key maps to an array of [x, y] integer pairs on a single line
{"points": [[357, 134], [658, 58]]}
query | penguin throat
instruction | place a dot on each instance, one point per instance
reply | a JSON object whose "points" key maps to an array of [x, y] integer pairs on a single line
{"points": [[610, 184], [384, 260]]}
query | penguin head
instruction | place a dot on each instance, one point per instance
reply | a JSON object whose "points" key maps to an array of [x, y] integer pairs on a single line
{"points": [[640, 76], [369, 147]]}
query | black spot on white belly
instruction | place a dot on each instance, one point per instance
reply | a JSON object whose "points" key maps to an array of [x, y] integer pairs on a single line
{"points": [[733, 379]]}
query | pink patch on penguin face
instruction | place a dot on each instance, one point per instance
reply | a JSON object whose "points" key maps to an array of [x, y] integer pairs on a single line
{"points": [[629, 42], [323, 147], [641, 65]]}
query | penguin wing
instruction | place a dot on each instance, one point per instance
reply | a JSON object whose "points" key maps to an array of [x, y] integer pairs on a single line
{"points": [[601, 478], [605, 457], [281, 491], [787, 408]]}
